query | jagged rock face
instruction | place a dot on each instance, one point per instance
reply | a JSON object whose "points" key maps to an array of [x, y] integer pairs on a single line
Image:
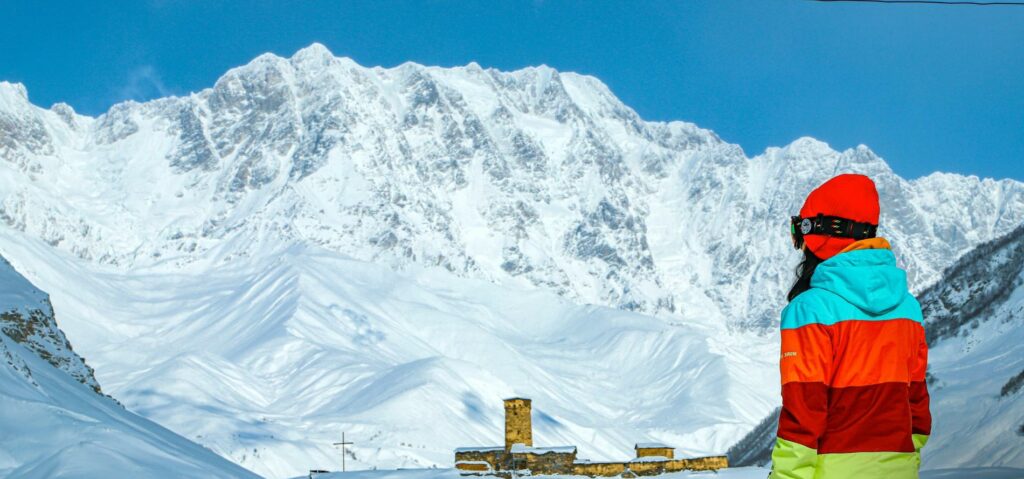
{"points": [[26, 317], [16, 363], [976, 289], [22, 132], [531, 176]]}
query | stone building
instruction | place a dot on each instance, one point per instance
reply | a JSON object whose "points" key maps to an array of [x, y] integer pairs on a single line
{"points": [[653, 449], [519, 456], [518, 422]]}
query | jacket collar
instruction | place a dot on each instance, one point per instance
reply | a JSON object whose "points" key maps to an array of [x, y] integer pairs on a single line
{"points": [[869, 243]]}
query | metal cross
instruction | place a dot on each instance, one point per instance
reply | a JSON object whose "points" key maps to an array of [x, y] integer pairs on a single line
{"points": [[342, 444]]}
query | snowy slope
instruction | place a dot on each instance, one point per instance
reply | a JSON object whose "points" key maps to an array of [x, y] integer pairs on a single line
{"points": [[312, 246], [55, 424], [267, 362], [54, 427], [975, 317]]}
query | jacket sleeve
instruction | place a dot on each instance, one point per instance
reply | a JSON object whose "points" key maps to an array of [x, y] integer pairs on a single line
{"points": [[806, 368], [921, 416]]}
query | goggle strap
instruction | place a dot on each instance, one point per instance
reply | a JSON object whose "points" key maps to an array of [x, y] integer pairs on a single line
{"points": [[838, 227]]}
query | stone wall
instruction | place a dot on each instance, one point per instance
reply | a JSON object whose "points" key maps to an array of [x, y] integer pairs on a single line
{"points": [[645, 468], [492, 457], [547, 463], [599, 469], [710, 463], [476, 467]]}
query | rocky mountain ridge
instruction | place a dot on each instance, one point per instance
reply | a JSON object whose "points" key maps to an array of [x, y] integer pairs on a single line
{"points": [[26, 317], [533, 177], [976, 289]]}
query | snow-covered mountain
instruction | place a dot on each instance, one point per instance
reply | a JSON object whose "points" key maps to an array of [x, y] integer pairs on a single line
{"points": [[530, 177], [311, 246], [55, 423], [975, 322]]}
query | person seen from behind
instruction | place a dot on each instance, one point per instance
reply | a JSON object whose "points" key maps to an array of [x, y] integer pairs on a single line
{"points": [[853, 357]]}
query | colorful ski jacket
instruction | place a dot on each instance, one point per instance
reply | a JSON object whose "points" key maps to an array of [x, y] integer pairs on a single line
{"points": [[853, 361]]}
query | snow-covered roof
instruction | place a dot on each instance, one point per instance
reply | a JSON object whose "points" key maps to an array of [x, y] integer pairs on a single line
{"points": [[479, 449], [652, 445], [474, 463], [519, 448], [649, 459]]}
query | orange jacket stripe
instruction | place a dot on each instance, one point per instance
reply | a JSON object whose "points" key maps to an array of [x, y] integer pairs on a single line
{"points": [[873, 352], [856, 343], [806, 354]]}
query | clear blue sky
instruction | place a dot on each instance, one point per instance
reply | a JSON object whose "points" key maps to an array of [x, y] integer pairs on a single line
{"points": [[928, 88]]}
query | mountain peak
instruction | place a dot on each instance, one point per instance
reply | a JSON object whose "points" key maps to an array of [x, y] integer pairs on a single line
{"points": [[314, 54], [12, 93], [808, 145], [17, 88], [266, 60]]}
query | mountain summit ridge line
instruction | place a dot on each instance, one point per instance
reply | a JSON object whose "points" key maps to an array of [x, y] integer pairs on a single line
{"points": [[532, 177]]}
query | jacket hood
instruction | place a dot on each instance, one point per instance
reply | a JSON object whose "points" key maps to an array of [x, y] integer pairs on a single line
{"points": [[866, 278]]}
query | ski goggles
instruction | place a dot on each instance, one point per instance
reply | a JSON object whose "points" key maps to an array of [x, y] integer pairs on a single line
{"points": [[829, 226]]}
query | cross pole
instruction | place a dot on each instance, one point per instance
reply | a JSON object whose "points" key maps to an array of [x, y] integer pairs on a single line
{"points": [[342, 444]]}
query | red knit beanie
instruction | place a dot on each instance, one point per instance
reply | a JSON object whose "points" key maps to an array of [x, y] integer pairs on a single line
{"points": [[853, 197]]}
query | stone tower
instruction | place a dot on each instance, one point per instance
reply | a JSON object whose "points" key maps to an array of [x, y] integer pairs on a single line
{"points": [[518, 425]]}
